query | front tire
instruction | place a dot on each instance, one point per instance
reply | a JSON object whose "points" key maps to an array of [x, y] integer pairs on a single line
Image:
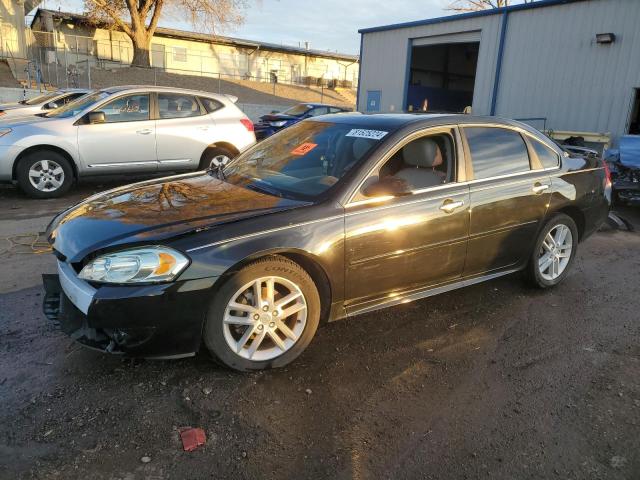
{"points": [[44, 174], [264, 316], [554, 252]]}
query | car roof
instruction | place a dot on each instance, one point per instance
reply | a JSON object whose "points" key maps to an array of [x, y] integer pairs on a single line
{"points": [[72, 90], [313, 104], [392, 121], [154, 88]]}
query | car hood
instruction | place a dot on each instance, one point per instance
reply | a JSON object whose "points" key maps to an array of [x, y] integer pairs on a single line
{"points": [[29, 118], [12, 106], [156, 210]]}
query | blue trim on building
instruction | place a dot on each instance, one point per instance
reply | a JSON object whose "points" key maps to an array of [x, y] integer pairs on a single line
{"points": [[407, 73], [359, 72], [496, 79], [462, 16]]}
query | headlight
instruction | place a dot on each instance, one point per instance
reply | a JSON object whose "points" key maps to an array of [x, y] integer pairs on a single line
{"points": [[280, 123], [151, 264], [4, 131]]}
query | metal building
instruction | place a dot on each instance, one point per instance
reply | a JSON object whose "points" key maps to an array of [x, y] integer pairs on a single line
{"points": [[561, 65]]}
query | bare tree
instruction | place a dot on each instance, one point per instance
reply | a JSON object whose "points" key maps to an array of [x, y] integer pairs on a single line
{"points": [[476, 5], [139, 18]]}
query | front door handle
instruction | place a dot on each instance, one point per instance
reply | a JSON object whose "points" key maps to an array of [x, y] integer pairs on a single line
{"points": [[145, 131], [539, 188], [448, 206]]}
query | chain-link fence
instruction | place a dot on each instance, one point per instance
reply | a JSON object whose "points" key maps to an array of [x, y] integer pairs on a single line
{"points": [[83, 62]]}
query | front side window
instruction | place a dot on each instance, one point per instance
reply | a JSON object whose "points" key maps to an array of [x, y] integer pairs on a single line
{"points": [[61, 101], [129, 108], [547, 156], [422, 163], [175, 105], [496, 151], [304, 160]]}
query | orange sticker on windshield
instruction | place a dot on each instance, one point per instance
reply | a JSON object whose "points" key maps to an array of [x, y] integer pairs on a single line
{"points": [[303, 149]]}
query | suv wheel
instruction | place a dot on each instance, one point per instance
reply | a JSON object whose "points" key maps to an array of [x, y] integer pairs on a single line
{"points": [[44, 174], [554, 252], [264, 316], [221, 154]]}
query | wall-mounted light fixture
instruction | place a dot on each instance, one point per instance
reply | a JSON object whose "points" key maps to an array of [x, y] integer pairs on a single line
{"points": [[605, 38]]}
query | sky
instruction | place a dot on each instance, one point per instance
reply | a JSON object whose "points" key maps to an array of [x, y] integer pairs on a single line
{"points": [[325, 24]]}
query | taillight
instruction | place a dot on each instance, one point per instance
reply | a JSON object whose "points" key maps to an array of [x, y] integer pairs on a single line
{"points": [[607, 174], [2, 112], [248, 124]]}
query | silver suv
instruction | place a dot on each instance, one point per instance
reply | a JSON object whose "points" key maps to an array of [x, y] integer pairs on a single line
{"points": [[121, 130], [40, 104]]}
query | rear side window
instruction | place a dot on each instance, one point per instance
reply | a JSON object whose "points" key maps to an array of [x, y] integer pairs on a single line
{"points": [[547, 156], [210, 105], [174, 105], [496, 151]]}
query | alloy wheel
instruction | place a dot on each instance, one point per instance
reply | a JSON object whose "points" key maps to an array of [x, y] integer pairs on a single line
{"points": [[265, 318], [46, 175], [555, 252]]}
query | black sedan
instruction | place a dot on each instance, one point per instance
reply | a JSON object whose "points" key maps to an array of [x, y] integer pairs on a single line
{"points": [[333, 217], [274, 122]]}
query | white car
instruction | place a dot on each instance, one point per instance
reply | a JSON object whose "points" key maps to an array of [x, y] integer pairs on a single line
{"points": [[121, 130], [42, 103]]}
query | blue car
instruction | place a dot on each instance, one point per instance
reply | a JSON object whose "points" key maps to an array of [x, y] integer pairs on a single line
{"points": [[274, 122]]}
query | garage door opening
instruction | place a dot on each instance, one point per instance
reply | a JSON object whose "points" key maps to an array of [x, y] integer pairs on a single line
{"points": [[442, 77]]}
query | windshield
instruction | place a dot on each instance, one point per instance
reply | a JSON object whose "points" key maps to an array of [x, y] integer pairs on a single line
{"points": [[40, 98], [303, 161], [73, 108], [297, 110]]}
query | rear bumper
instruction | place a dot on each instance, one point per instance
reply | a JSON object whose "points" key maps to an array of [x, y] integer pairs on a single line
{"points": [[263, 131], [161, 321]]}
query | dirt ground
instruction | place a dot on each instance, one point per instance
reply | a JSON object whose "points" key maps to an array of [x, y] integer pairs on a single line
{"points": [[493, 381]]}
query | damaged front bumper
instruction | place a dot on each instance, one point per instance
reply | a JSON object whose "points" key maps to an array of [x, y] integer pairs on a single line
{"points": [[159, 321]]}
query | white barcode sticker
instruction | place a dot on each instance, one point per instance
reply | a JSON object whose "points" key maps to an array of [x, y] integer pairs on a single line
{"points": [[365, 133]]}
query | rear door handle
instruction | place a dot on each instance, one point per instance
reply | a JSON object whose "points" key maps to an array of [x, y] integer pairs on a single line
{"points": [[539, 188], [448, 206], [145, 131]]}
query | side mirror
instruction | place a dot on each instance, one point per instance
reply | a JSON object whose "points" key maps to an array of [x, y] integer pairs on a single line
{"points": [[51, 106], [96, 117], [386, 186]]}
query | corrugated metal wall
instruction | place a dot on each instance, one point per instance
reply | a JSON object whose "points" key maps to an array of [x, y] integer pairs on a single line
{"points": [[552, 66]]}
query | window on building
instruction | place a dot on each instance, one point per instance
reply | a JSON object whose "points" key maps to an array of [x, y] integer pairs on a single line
{"points": [[130, 108], [179, 54], [496, 151], [547, 156], [174, 105]]}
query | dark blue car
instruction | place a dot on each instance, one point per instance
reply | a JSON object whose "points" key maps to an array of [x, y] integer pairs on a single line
{"points": [[274, 122]]}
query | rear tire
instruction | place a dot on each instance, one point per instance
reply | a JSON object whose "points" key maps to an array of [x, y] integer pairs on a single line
{"points": [[264, 316], [215, 152], [44, 174], [554, 252]]}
